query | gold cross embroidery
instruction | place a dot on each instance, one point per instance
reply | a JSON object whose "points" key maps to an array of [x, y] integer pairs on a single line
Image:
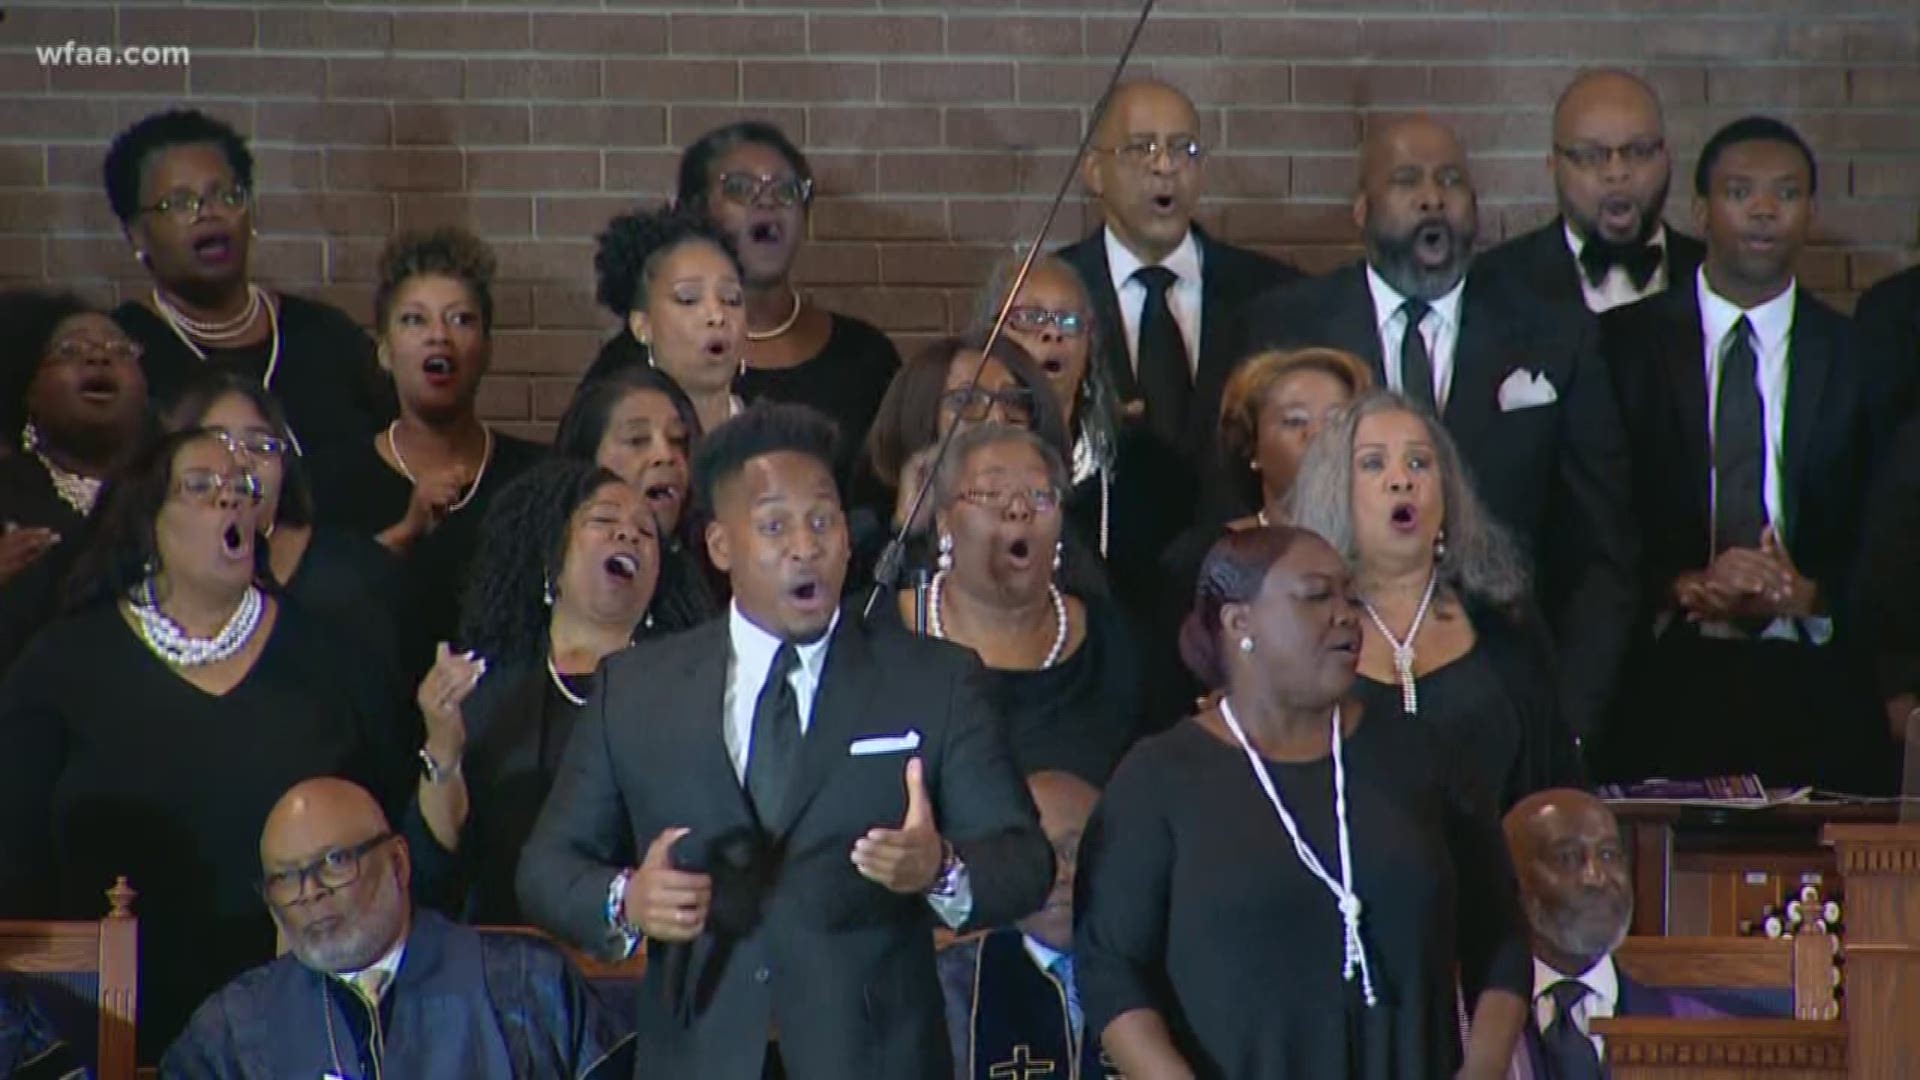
{"points": [[1023, 1066]]}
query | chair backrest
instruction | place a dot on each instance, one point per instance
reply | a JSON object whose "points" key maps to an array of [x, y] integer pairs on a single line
{"points": [[1789, 977], [615, 983], [83, 975]]}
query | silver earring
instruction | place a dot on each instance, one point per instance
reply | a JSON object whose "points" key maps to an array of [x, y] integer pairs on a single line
{"points": [[1058, 549], [29, 437], [945, 561], [546, 590], [1246, 645], [1440, 546]]}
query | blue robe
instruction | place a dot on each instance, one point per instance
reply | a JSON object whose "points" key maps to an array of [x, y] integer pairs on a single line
{"points": [[463, 1005], [29, 1047]]}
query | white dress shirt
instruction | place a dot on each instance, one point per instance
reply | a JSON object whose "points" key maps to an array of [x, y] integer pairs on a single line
{"points": [[1441, 329], [388, 966], [1772, 340], [1604, 982], [1184, 298], [1617, 288]]}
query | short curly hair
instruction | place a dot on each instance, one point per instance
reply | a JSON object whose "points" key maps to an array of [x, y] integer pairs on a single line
{"points": [[767, 427], [127, 157], [697, 163], [28, 320], [630, 248], [449, 252]]}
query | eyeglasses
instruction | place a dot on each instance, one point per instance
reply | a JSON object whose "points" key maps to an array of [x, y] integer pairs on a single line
{"points": [[976, 405], [74, 350], [1181, 150], [334, 869], [747, 189], [1595, 156], [1044, 500], [186, 205], [1036, 319], [203, 487], [256, 443]]}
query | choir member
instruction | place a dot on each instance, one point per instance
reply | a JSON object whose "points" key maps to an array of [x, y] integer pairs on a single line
{"points": [[1450, 638], [422, 485], [1062, 670], [1752, 437], [1888, 316], [1611, 170], [638, 424], [1520, 387], [399, 990], [1887, 583], [1289, 884], [181, 184], [149, 732]]}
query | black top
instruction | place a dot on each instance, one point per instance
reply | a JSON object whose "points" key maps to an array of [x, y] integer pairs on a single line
{"points": [[1191, 901], [1888, 316], [117, 765], [327, 378], [845, 380], [354, 490], [354, 584], [29, 598]]}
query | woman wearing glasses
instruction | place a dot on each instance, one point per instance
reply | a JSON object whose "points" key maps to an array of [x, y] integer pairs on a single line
{"points": [[181, 184], [148, 733], [1062, 668]]}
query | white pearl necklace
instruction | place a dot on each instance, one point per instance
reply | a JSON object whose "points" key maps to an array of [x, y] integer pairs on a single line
{"points": [[1342, 890], [1403, 650], [560, 684], [792, 317], [178, 648], [486, 458], [77, 491], [938, 629], [214, 333]]}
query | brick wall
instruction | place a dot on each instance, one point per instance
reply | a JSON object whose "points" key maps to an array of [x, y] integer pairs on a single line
{"points": [[939, 130]]}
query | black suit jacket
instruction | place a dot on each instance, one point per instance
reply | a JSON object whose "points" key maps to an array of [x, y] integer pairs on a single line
{"points": [[1888, 316], [1656, 354], [1541, 264], [1555, 474], [796, 937]]}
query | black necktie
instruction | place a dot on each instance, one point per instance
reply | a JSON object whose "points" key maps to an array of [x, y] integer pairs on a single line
{"points": [[1739, 446], [1570, 1054], [1640, 261], [775, 750], [1416, 367], [1163, 369]]}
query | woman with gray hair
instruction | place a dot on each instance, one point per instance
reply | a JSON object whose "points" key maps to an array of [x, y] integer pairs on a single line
{"points": [[1450, 634], [1061, 669]]}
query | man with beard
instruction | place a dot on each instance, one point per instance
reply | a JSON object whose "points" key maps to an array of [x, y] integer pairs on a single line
{"points": [[1572, 870], [371, 986], [1751, 425], [1519, 386], [1611, 170]]}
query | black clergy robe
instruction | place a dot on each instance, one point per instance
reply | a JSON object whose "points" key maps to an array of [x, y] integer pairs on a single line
{"points": [[1008, 1019], [464, 1006]]}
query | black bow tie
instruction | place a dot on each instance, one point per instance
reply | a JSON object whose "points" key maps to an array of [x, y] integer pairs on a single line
{"points": [[1640, 260]]}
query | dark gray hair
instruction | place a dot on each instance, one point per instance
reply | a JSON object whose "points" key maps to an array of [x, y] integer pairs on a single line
{"points": [[946, 482], [1480, 560], [1096, 417]]}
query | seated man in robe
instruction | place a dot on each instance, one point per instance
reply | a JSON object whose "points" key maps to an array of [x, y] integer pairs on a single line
{"points": [[371, 986], [30, 1049], [1010, 996], [1572, 870]]}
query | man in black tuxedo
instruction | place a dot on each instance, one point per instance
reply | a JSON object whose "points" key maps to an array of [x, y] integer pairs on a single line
{"points": [[1519, 387], [804, 796], [1747, 414], [1888, 316], [1611, 170]]}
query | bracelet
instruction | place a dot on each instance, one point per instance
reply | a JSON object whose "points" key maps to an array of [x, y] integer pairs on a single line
{"points": [[946, 882], [437, 773], [629, 934]]}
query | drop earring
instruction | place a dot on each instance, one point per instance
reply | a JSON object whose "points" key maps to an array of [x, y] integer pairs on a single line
{"points": [[945, 560], [29, 437], [1440, 546], [1059, 547], [546, 590], [1246, 645]]}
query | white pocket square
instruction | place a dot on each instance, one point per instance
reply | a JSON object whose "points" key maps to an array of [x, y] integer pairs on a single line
{"points": [[1526, 390], [885, 744]]}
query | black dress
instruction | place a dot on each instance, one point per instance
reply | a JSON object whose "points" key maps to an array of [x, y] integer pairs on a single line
{"points": [[355, 584], [845, 380], [353, 489], [1190, 901], [326, 379], [28, 599], [115, 765]]}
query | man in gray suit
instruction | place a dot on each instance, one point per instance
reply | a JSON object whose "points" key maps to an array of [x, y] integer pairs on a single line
{"points": [[781, 802]]}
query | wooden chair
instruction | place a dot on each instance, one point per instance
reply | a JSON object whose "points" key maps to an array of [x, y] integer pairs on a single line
{"points": [[83, 969], [1801, 971]]}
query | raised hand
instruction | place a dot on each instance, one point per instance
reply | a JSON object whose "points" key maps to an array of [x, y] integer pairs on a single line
{"points": [[668, 904], [19, 547], [441, 692], [905, 860]]}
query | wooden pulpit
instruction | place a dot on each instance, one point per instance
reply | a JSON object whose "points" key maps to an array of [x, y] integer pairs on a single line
{"points": [[1881, 866]]}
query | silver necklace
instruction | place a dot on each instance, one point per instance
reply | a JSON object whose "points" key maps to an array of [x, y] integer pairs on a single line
{"points": [[175, 646], [560, 683], [77, 491], [1403, 650], [187, 330], [486, 458], [1342, 890], [938, 629]]}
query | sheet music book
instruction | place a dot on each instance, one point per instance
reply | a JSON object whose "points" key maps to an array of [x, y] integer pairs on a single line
{"points": [[1727, 792]]}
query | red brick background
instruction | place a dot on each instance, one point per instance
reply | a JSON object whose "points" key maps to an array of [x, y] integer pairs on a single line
{"points": [[939, 130]]}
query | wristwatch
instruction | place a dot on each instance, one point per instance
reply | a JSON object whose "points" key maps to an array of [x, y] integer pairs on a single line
{"points": [[947, 881]]}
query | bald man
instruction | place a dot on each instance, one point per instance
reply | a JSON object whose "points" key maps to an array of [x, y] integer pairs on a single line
{"points": [[372, 987], [1010, 994], [1520, 388], [1611, 169], [1572, 871]]}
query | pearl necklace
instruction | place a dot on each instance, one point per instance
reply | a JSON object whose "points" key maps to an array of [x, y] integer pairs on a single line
{"points": [[938, 629], [77, 491], [1084, 466], [1403, 650], [792, 317], [486, 458], [1342, 890], [560, 684], [187, 330], [178, 648]]}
